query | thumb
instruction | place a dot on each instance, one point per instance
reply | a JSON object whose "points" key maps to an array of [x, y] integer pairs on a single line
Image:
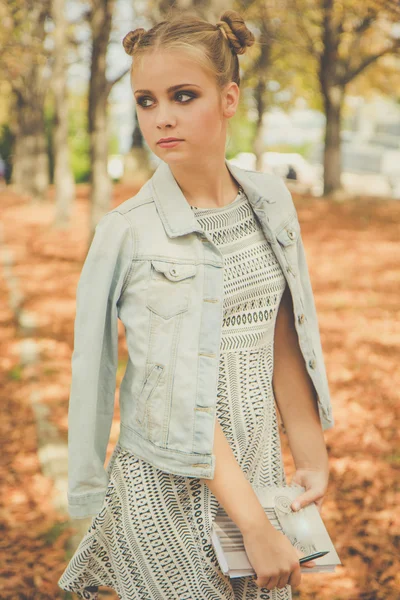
{"points": [[304, 499]]}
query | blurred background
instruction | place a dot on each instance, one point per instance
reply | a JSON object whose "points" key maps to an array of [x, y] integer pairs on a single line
{"points": [[320, 107]]}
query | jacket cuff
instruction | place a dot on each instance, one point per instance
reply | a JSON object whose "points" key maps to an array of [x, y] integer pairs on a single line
{"points": [[327, 423], [85, 505]]}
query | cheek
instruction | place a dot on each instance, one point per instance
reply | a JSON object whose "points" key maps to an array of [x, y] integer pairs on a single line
{"points": [[144, 121], [205, 121], [148, 127]]}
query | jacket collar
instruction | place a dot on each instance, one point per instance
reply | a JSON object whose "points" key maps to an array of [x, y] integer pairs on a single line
{"points": [[173, 208]]}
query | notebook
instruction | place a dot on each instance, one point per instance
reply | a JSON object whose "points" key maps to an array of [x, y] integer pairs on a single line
{"points": [[304, 528]]}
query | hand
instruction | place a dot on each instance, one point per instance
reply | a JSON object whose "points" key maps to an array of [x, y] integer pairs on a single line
{"points": [[315, 481], [273, 558]]}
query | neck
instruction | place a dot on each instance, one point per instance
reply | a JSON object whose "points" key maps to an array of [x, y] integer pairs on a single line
{"points": [[208, 184]]}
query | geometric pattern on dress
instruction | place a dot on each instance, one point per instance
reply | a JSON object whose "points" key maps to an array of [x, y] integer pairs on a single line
{"points": [[253, 279]]}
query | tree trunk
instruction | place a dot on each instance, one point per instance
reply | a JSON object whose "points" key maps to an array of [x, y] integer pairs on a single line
{"points": [[30, 159], [333, 96], [63, 177], [333, 101], [261, 68], [258, 142], [30, 173], [99, 89], [136, 162]]}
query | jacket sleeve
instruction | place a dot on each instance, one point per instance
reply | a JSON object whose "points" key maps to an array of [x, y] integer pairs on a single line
{"points": [[94, 362], [326, 416], [325, 406]]}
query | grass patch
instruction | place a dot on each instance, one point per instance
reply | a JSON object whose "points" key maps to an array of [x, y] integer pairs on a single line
{"points": [[15, 374], [52, 534]]}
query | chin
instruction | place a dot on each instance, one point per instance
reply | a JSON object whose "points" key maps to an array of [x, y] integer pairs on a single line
{"points": [[169, 158], [166, 154]]}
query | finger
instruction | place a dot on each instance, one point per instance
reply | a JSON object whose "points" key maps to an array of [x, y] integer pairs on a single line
{"points": [[269, 583], [304, 499], [309, 564], [295, 578], [282, 581], [300, 554]]}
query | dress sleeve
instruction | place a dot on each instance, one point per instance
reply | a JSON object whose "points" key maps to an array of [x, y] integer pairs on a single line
{"points": [[94, 362]]}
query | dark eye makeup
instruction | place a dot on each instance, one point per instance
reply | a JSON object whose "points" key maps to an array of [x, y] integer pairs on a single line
{"points": [[192, 95]]}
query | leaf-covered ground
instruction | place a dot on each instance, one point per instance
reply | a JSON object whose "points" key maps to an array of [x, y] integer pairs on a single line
{"points": [[353, 257]]}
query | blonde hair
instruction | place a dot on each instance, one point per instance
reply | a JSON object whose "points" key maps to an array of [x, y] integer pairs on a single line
{"points": [[213, 47]]}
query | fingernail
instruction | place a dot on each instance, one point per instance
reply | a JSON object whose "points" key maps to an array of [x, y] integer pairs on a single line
{"points": [[296, 506]]}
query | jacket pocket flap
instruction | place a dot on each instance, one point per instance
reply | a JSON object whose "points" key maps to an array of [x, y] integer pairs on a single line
{"points": [[290, 233], [174, 271]]}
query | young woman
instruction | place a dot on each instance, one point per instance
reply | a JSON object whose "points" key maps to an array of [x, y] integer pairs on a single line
{"points": [[206, 269]]}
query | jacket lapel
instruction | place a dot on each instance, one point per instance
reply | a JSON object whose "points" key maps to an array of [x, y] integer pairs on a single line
{"points": [[176, 213]]}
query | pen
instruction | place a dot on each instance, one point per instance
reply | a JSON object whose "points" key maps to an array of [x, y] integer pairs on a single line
{"points": [[304, 559]]}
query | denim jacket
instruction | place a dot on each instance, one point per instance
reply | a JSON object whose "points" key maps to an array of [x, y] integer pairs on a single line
{"points": [[152, 266]]}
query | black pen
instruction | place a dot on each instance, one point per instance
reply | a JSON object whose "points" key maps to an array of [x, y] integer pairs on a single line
{"points": [[311, 556]]}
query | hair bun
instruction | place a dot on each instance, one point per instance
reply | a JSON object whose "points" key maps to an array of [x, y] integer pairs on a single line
{"points": [[131, 39], [236, 31]]}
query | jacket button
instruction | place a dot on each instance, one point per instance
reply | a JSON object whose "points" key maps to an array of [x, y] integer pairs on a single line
{"points": [[301, 319], [291, 234], [290, 270], [173, 271], [312, 364]]}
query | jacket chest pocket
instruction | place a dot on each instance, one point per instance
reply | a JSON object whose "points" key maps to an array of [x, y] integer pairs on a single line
{"points": [[168, 293]]}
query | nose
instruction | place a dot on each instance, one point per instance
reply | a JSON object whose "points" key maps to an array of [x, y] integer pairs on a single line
{"points": [[164, 118], [162, 123]]}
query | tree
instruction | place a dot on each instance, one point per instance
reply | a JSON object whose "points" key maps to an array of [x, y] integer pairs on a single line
{"points": [[257, 68], [63, 178], [100, 20], [344, 38], [23, 63]]}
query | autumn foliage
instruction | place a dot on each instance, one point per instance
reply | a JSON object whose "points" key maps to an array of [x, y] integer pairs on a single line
{"points": [[352, 250]]}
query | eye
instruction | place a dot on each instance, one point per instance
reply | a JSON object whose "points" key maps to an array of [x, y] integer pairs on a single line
{"points": [[184, 94], [140, 101]]}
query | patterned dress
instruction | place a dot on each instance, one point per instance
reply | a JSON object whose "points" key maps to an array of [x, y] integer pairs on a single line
{"points": [[151, 539]]}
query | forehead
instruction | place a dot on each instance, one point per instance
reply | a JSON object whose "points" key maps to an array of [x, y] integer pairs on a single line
{"points": [[158, 71]]}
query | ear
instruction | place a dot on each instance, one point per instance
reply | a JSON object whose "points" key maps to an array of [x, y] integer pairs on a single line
{"points": [[231, 98]]}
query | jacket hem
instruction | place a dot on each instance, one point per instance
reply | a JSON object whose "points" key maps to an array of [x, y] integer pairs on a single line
{"points": [[172, 461]]}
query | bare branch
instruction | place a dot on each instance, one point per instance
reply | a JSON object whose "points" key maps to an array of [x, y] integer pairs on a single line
{"points": [[351, 74], [111, 83], [84, 16], [310, 47]]}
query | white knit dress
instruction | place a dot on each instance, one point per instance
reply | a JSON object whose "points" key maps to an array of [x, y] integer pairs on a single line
{"points": [[151, 538]]}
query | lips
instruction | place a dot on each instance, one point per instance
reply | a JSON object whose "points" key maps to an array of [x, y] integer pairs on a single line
{"points": [[169, 140]]}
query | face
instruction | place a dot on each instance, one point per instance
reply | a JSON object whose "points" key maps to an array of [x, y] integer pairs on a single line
{"points": [[175, 97]]}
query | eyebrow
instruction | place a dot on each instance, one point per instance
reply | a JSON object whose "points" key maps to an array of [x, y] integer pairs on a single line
{"points": [[170, 89]]}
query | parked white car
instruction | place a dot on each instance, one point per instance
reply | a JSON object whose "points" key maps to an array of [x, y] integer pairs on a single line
{"points": [[280, 162], [244, 160], [307, 177]]}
